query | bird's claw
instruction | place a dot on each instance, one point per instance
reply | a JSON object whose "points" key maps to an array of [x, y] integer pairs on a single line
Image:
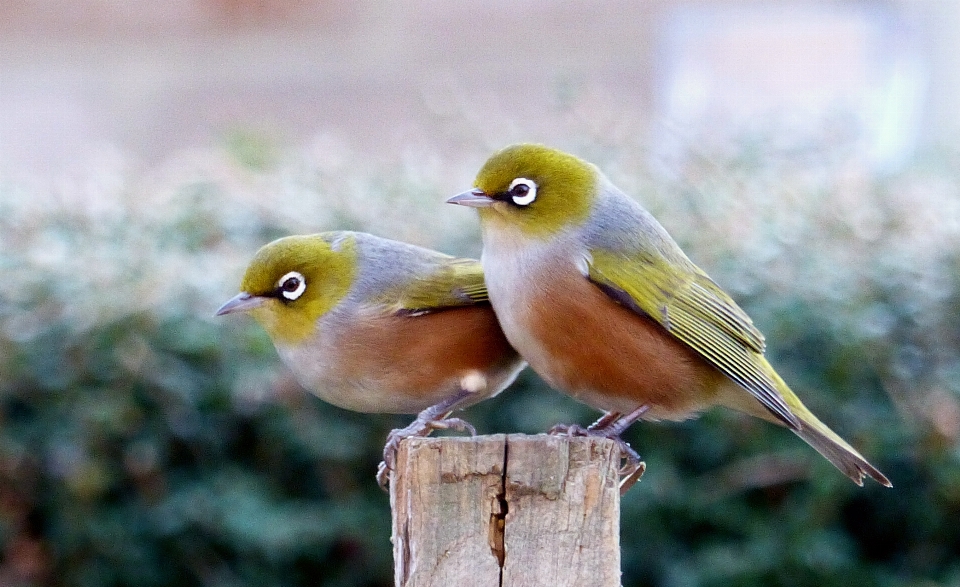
{"points": [[458, 424], [630, 474], [383, 474], [610, 426], [632, 466], [568, 430], [419, 427]]}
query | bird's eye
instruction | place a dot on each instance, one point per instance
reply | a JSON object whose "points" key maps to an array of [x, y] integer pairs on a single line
{"points": [[291, 285], [523, 191]]}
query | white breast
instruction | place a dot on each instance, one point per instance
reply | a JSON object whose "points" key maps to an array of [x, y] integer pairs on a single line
{"points": [[516, 270]]}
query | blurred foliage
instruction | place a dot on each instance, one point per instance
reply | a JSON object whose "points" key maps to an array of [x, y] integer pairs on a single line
{"points": [[144, 443]]}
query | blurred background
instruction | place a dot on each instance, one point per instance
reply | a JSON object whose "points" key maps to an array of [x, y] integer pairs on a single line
{"points": [[805, 153]]}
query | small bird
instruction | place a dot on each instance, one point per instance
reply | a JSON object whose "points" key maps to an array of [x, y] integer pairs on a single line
{"points": [[603, 304], [375, 325]]}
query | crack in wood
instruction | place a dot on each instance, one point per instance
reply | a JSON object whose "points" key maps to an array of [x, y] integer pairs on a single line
{"points": [[498, 516], [407, 556]]}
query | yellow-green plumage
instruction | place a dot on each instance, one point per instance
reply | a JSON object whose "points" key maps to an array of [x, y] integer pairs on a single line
{"points": [[457, 282], [329, 262], [687, 342], [691, 307], [330, 266], [700, 314], [551, 169], [375, 325]]}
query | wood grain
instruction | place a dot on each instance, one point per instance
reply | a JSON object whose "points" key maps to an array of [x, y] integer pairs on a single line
{"points": [[506, 511]]}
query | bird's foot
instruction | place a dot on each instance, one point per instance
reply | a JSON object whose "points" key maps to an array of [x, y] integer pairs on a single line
{"points": [[611, 425], [568, 430], [595, 429], [425, 423]]}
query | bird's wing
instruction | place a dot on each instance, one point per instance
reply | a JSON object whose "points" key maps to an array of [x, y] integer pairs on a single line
{"points": [[449, 282], [691, 307]]}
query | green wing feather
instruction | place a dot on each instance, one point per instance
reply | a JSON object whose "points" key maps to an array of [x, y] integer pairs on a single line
{"points": [[453, 282], [691, 307]]}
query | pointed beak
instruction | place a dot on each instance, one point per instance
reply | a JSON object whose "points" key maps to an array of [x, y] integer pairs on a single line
{"points": [[475, 198], [242, 302]]}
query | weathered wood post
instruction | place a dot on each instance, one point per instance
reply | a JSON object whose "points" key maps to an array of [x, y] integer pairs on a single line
{"points": [[506, 511]]}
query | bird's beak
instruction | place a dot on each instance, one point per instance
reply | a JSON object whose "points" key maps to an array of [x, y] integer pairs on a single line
{"points": [[475, 198], [242, 302]]}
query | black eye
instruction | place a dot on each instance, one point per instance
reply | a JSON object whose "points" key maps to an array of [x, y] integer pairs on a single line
{"points": [[291, 285], [520, 190]]}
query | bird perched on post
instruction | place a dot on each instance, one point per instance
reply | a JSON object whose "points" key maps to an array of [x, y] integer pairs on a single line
{"points": [[375, 325], [604, 305]]}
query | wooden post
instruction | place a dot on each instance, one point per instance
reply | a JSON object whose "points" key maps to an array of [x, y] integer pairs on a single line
{"points": [[506, 511]]}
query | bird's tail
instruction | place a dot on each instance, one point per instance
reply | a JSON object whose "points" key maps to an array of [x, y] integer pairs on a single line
{"points": [[808, 427], [835, 449], [827, 442]]}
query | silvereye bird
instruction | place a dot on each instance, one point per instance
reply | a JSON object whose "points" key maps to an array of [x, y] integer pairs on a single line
{"points": [[375, 325], [604, 305]]}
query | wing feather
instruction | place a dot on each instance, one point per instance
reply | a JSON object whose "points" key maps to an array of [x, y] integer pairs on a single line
{"points": [[451, 282], [691, 307]]}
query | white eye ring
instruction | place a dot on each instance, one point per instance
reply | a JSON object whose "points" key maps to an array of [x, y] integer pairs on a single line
{"points": [[527, 198], [287, 281]]}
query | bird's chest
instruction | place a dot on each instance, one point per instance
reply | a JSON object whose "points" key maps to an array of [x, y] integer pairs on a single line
{"points": [[338, 363], [532, 288], [320, 364]]}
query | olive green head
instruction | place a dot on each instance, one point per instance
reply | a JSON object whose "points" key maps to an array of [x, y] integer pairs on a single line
{"points": [[293, 281], [534, 188]]}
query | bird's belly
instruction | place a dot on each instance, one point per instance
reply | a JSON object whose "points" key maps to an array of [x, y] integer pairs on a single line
{"points": [[601, 353], [404, 364]]}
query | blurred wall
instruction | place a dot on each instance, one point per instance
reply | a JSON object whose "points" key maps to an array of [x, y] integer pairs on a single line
{"points": [[152, 78], [942, 21]]}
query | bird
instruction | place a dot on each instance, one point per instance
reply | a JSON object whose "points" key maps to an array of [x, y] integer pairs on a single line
{"points": [[605, 306], [375, 325]]}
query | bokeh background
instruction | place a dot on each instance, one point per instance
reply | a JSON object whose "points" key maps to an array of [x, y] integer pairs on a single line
{"points": [[805, 153]]}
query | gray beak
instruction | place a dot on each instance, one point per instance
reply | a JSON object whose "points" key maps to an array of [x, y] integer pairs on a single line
{"points": [[242, 302], [475, 198]]}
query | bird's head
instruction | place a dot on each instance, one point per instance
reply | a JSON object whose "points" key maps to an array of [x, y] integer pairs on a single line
{"points": [[532, 188], [293, 281]]}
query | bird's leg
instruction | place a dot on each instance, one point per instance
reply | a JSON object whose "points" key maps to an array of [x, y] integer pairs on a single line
{"points": [[611, 425], [619, 425], [605, 420], [436, 417]]}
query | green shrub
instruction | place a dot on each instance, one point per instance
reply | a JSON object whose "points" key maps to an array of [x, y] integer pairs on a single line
{"points": [[142, 442]]}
